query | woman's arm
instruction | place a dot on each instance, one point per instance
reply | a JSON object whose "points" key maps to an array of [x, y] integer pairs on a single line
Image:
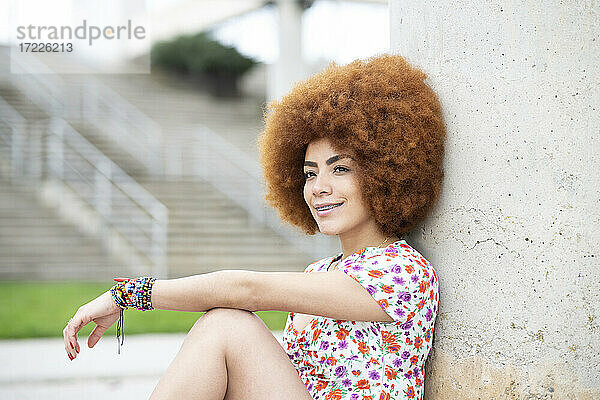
{"points": [[331, 294], [227, 289], [199, 293]]}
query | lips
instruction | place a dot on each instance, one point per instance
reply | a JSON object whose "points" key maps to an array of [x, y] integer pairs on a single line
{"points": [[327, 206], [328, 210]]}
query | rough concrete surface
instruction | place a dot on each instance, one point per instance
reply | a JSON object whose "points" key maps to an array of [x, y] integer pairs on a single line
{"points": [[515, 237], [474, 378]]}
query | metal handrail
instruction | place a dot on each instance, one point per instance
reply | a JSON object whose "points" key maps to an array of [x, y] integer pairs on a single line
{"points": [[239, 177], [13, 139], [69, 151], [92, 102], [130, 128], [80, 165], [97, 103]]}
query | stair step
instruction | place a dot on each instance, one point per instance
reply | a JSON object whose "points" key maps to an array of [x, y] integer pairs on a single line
{"points": [[204, 224], [33, 223], [75, 239], [23, 213], [7, 259], [217, 230], [19, 231], [22, 209], [207, 264], [217, 250], [65, 271], [239, 240], [28, 250], [193, 212]]}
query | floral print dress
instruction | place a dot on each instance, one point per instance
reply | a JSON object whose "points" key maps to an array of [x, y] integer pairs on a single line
{"points": [[365, 360]]}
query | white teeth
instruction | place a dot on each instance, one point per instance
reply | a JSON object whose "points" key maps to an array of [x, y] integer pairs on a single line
{"points": [[328, 207]]}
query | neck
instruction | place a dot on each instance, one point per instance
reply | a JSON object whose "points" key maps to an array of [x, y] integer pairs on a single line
{"points": [[370, 236]]}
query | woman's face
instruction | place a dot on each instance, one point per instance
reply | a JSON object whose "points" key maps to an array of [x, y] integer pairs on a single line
{"points": [[331, 178]]}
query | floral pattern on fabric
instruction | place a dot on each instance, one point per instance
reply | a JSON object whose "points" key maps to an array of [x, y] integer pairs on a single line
{"points": [[365, 360]]}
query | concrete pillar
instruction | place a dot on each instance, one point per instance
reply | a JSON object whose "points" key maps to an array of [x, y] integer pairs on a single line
{"points": [[289, 67], [515, 237]]}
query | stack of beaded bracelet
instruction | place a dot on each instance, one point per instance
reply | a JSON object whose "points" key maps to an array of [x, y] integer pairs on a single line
{"points": [[134, 293], [128, 293]]}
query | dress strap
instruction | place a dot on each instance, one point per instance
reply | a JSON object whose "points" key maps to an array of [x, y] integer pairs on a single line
{"points": [[337, 258]]}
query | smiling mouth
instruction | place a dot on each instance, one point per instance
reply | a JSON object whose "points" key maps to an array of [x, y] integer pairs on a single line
{"points": [[326, 210]]}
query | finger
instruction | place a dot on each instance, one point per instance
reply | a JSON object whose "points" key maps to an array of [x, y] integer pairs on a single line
{"points": [[66, 342], [96, 335], [68, 345], [70, 339], [74, 326]]}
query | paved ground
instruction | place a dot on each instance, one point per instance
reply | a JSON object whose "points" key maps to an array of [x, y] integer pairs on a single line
{"points": [[40, 368]]}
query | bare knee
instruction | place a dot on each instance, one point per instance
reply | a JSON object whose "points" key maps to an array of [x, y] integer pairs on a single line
{"points": [[220, 320], [228, 327]]}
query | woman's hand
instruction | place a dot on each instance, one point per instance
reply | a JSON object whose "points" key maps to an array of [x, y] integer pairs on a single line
{"points": [[102, 310]]}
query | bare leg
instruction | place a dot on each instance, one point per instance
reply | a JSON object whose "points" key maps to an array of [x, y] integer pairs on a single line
{"points": [[198, 370], [230, 354]]}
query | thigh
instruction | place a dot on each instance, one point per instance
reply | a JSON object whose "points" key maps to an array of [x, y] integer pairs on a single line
{"points": [[257, 366]]}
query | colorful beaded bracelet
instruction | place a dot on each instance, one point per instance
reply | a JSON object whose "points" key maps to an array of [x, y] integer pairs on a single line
{"points": [[128, 293]]}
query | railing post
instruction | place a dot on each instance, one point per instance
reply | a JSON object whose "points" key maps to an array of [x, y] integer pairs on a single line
{"points": [[55, 148], [202, 164], [16, 149], [171, 150], [77, 101], [156, 154], [102, 197], [234, 165], [159, 242], [151, 159], [38, 149], [91, 98]]}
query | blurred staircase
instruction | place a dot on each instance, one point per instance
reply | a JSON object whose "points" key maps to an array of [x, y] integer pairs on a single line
{"points": [[205, 226], [207, 231], [35, 244], [177, 105]]}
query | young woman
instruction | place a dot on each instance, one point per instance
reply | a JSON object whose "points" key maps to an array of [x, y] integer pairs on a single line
{"points": [[355, 151]]}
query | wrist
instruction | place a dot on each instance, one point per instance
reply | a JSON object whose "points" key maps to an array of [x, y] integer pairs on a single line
{"points": [[114, 306], [134, 293], [117, 297]]}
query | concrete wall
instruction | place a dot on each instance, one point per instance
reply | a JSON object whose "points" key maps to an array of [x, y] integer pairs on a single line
{"points": [[515, 238]]}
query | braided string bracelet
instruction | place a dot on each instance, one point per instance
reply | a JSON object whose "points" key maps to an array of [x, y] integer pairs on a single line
{"points": [[127, 293]]}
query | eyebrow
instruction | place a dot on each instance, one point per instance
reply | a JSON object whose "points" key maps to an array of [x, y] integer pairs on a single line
{"points": [[329, 161]]}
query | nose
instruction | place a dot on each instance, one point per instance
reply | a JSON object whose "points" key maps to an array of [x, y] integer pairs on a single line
{"points": [[321, 185]]}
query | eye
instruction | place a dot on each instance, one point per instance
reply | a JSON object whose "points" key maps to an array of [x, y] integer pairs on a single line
{"points": [[337, 168], [307, 174]]}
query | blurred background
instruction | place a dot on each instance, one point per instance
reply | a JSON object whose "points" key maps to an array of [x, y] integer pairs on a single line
{"points": [[140, 157], [128, 174]]}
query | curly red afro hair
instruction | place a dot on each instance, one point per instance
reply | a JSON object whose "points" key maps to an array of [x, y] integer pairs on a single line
{"points": [[382, 112]]}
